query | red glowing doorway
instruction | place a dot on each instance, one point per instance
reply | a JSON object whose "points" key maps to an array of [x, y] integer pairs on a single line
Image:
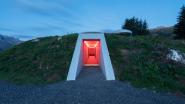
{"points": [[91, 52]]}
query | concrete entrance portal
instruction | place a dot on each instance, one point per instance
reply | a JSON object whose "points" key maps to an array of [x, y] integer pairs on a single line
{"points": [[91, 52]]}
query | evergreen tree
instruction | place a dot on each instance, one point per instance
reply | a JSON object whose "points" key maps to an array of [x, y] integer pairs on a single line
{"points": [[145, 28], [180, 26], [137, 26]]}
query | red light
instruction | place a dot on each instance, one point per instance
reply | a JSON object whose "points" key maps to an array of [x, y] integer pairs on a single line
{"points": [[91, 44], [91, 52]]}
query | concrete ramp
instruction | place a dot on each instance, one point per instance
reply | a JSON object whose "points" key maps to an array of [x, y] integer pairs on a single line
{"points": [[93, 73]]}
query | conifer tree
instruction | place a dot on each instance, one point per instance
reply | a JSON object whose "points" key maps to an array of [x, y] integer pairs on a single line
{"points": [[137, 26], [180, 26]]}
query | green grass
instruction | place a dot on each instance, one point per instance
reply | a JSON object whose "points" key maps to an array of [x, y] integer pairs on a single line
{"points": [[41, 62], [142, 61]]}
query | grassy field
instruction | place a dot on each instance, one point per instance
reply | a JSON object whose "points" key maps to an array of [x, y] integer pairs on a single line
{"points": [[41, 61], [142, 61]]}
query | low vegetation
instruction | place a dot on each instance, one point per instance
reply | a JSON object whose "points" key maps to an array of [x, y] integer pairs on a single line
{"points": [[38, 61], [163, 31], [142, 61]]}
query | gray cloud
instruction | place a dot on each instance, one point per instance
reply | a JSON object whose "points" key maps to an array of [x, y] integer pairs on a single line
{"points": [[6, 29], [46, 7]]}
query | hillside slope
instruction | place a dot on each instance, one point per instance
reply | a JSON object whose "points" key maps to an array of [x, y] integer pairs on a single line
{"points": [[142, 60], [163, 31], [42, 60], [7, 42]]}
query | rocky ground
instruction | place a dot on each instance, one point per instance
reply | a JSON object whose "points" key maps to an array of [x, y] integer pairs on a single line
{"points": [[89, 88]]}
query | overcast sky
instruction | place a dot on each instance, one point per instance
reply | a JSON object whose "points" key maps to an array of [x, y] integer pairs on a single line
{"points": [[27, 19]]}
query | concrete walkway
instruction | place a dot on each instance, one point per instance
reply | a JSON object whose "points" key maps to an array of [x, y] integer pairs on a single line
{"points": [[91, 74], [84, 91]]}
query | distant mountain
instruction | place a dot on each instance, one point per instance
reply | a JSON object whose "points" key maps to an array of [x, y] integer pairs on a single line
{"points": [[7, 42], [164, 31]]}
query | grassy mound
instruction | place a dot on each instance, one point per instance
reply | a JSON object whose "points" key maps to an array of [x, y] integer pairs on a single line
{"points": [[142, 61], [39, 61]]}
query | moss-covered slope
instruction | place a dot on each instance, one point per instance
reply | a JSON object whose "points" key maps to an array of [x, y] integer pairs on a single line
{"points": [[39, 61], [142, 60]]}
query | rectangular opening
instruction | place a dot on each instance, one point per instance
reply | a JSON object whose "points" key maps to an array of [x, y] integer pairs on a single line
{"points": [[91, 52]]}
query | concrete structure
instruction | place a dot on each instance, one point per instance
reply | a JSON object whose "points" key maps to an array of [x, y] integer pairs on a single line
{"points": [[91, 50], [118, 31], [122, 31]]}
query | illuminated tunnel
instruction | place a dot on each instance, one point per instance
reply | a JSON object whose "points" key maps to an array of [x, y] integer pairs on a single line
{"points": [[91, 52]]}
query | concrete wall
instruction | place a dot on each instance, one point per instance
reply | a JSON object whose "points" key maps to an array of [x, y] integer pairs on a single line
{"points": [[107, 65], [75, 66], [102, 62], [77, 60]]}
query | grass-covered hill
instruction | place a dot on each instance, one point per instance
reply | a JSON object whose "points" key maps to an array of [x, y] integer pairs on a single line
{"points": [[142, 60], [38, 61], [163, 31]]}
